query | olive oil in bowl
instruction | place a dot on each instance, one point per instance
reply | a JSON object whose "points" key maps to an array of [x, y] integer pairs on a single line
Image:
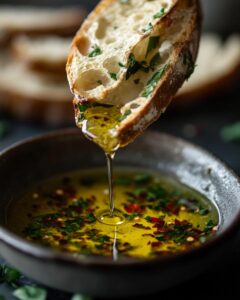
{"points": [[161, 216]]}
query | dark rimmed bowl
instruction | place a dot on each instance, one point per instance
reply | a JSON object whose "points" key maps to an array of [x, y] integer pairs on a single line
{"points": [[35, 159]]}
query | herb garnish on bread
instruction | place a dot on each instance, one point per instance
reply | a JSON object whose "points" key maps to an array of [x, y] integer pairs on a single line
{"points": [[134, 56]]}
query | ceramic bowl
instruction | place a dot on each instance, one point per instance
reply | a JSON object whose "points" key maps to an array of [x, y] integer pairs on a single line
{"points": [[28, 162]]}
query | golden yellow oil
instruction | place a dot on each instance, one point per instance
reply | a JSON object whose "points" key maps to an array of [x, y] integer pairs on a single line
{"points": [[100, 123], [161, 215]]}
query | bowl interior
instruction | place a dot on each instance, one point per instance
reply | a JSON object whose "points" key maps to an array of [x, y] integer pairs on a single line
{"points": [[33, 161]]}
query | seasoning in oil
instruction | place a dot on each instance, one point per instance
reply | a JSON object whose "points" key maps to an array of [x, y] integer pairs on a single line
{"points": [[161, 215]]}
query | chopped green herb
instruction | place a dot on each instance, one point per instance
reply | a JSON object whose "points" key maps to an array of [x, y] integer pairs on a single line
{"points": [[148, 218], [9, 275], [124, 181], [152, 44], [203, 211], [133, 66], [115, 27], [134, 105], [82, 108], [136, 81], [81, 297], [30, 293], [99, 82], [2, 297], [95, 52], [209, 226], [152, 83], [4, 128], [231, 133], [113, 76], [155, 61], [142, 178], [125, 115], [121, 65], [148, 27], [125, 1], [91, 218], [189, 63], [132, 216], [159, 14]]}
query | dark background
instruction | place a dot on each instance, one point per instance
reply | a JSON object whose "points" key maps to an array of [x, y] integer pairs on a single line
{"points": [[205, 120]]}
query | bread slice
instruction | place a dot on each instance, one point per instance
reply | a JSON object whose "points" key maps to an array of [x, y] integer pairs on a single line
{"points": [[46, 54], [135, 55], [38, 20], [218, 64], [31, 96]]}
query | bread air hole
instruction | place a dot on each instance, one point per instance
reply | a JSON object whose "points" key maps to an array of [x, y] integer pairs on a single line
{"points": [[102, 28], [83, 45], [90, 80], [112, 65]]}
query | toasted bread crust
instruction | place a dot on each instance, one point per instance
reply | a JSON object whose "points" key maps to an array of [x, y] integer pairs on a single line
{"points": [[172, 82]]}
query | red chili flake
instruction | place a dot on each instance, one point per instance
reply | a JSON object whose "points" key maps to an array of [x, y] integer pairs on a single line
{"points": [[159, 225], [70, 191], [196, 231], [140, 226], [77, 209], [157, 221], [148, 235], [156, 244], [171, 207], [164, 252], [142, 196], [134, 208], [182, 223], [90, 209]]}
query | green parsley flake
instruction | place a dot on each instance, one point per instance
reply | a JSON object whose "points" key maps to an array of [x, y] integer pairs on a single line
{"points": [[95, 52], [125, 115], [231, 133], [152, 83], [155, 60], [133, 66], [125, 1], [152, 44], [148, 27], [113, 76], [159, 14], [81, 297], [30, 293], [121, 65]]}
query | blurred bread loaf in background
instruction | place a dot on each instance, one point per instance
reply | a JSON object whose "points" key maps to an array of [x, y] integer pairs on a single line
{"points": [[43, 54], [40, 21], [217, 68], [34, 45]]}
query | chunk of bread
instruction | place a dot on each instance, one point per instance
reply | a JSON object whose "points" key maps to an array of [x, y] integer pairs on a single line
{"points": [[44, 54], [218, 64], [135, 54], [38, 20], [28, 95]]}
